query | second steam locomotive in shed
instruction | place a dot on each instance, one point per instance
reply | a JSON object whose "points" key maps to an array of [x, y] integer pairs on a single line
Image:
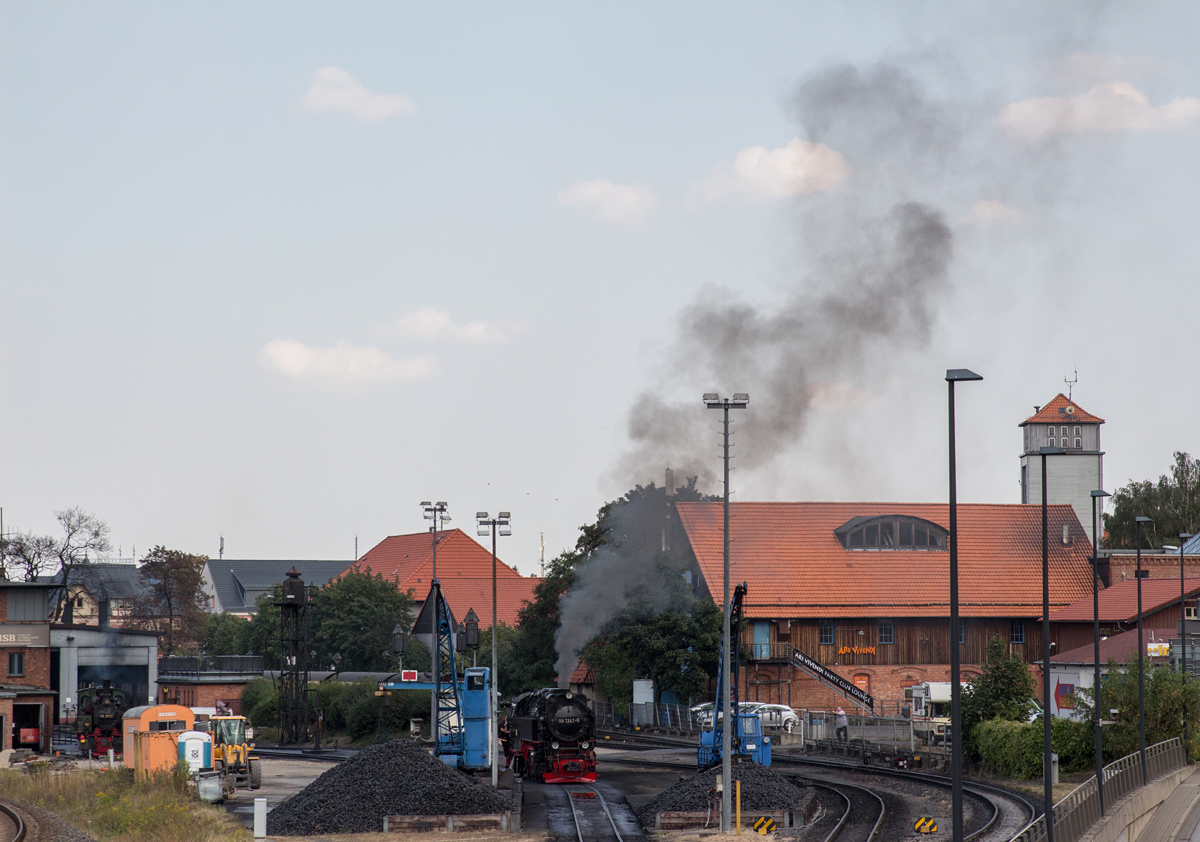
{"points": [[98, 725], [553, 736]]}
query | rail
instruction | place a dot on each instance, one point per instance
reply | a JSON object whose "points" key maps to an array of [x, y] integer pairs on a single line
{"points": [[841, 825], [16, 820], [572, 795], [1081, 809]]}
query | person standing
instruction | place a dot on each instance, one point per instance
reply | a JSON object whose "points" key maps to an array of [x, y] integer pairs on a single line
{"points": [[842, 724]]}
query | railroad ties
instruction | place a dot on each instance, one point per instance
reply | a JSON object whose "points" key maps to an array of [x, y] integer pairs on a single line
{"points": [[593, 819]]}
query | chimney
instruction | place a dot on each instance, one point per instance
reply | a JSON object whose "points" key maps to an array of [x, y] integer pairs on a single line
{"points": [[103, 613], [1066, 535], [68, 615]]}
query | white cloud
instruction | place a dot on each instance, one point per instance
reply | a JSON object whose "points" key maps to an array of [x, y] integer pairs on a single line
{"points": [[761, 174], [343, 364], [1111, 107], [1092, 68], [994, 212], [624, 204], [333, 89], [428, 323]]}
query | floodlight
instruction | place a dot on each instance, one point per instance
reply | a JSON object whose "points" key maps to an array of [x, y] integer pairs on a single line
{"points": [[711, 396], [955, 374]]}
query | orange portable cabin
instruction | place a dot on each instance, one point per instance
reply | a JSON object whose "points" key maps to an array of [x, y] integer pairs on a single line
{"points": [[151, 736]]}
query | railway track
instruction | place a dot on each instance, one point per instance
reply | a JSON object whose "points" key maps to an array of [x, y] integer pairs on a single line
{"points": [[12, 825], [591, 815], [862, 816]]}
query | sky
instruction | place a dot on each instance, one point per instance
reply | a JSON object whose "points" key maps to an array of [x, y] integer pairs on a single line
{"points": [[279, 272]]}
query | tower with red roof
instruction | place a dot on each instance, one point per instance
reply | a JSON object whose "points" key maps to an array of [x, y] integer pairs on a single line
{"points": [[1072, 476]]}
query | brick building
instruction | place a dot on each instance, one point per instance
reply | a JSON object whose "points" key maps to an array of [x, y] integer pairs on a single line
{"points": [[1072, 626], [26, 698], [863, 588], [198, 682]]}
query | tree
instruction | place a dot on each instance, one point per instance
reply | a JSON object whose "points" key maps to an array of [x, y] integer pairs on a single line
{"points": [[506, 655], [354, 616], [172, 603], [1173, 502], [1003, 691], [225, 634], [26, 557]]}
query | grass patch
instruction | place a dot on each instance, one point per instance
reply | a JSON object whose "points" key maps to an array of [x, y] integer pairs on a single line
{"points": [[112, 807]]}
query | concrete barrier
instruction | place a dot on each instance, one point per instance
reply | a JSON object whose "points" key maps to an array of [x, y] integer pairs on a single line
{"points": [[1126, 819]]}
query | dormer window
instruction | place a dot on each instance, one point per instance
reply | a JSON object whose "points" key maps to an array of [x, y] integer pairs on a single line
{"points": [[891, 532]]}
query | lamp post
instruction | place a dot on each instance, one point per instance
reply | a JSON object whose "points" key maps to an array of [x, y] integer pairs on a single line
{"points": [[500, 522], [953, 376], [435, 512], [1047, 786], [714, 401], [1097, 495], [1183, 539], [1137, 529]]}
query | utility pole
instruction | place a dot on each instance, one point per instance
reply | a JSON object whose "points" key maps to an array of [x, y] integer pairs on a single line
{"points": [[715, 401]]}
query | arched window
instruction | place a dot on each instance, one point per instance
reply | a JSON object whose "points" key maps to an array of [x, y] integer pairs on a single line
{"points": [[891, 532]]}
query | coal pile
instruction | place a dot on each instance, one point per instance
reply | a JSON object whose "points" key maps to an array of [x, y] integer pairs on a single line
{"points": [[762, 789], [396, 778]]}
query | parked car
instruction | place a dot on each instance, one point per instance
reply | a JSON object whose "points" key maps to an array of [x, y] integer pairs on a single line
{"points": [[706, 716], [778, 716]]}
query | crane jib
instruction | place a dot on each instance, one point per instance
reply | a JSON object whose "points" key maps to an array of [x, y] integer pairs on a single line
{"points": [[843, 686]]}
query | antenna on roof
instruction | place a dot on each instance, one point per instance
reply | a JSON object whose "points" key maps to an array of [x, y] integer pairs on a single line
{"points": [[221, 551], [1071, 384], [543, 542]]}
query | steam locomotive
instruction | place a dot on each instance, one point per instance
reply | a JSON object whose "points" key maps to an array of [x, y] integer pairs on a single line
{"points": [[98, 722], [553, 735]]}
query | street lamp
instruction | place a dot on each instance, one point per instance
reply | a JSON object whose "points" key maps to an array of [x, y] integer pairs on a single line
{"points": [[953, 376], [1097, 495], [714, 401], [485, 524], [1137, 529], [1183, 539], [1047, 786], [435, 512], [398, 646]]}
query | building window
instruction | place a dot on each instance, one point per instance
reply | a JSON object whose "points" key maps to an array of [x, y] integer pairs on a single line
{"points": [[16, 663], [887, 632], [1064, 432], [1142, 574], [1051, 442], [825, 633], [1016, 631], [78, 602], [962, 630], [1078, 443], [891, 532], [1189, 612], [1078, 431]]}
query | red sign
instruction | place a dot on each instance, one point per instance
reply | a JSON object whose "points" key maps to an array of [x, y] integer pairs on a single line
{"points": [[408, 675], [1064, 696]]}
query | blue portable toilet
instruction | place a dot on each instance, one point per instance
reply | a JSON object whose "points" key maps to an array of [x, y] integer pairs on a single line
{"points": [[195, 749], [477, 718]]}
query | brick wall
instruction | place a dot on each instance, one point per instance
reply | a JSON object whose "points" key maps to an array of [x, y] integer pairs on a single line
{"points": [[1159, 566], [37, 666], [203, 695]]}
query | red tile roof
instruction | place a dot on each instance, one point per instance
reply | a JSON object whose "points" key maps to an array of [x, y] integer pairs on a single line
{"points": [[408, 560], [1117, 647], [1118, 602], [1049, 414], [796, 567], [463, 594], [583, 674]]}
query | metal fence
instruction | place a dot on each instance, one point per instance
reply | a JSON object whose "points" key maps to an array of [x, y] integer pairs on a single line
{"points": [[1081, 809], [676, 718]]}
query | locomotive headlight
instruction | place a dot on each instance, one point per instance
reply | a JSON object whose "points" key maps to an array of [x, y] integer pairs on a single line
{"points": [[585, 745], [554, 745]]}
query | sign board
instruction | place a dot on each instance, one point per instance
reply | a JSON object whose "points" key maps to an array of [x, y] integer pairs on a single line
{"points": [[764, 825], [408, 675], [1064, 696], [24, 634], [827, 675], [925, 824]]}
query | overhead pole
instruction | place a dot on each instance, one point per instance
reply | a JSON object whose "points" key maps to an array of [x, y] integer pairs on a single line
{"points": [[1047, 785], [486, 524], [1137, 529], [715, 401], [1183, 676], [1096, 497], [435, 512]]}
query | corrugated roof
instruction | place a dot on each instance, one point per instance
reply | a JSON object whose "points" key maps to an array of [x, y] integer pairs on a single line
{"points": [[408, 561], [1192, 547], [1118, 602], [1049, 414], [238, 582], [796, 566]]}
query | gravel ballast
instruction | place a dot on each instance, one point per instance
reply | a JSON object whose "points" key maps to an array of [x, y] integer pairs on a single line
{"points": [[397, 778], [762, 789]]}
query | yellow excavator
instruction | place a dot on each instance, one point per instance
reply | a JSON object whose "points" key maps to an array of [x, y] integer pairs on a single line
{"points": [[231, 754]]}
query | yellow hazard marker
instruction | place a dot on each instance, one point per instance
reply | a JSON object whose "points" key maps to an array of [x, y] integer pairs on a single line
{"points": [[764, 824], [925, 824]]}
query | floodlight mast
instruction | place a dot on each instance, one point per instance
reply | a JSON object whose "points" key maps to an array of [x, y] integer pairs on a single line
{"points": [[499, 524], [712, 400], [437, 513]]}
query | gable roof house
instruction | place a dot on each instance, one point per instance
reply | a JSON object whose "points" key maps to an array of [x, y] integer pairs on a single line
{"points": [[232, 586], [464, 568], [863, 588], [102, 593]]}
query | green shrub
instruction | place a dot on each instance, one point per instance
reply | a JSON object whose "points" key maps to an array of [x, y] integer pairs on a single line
{"points": [[260, 702], [1010, 749]]}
